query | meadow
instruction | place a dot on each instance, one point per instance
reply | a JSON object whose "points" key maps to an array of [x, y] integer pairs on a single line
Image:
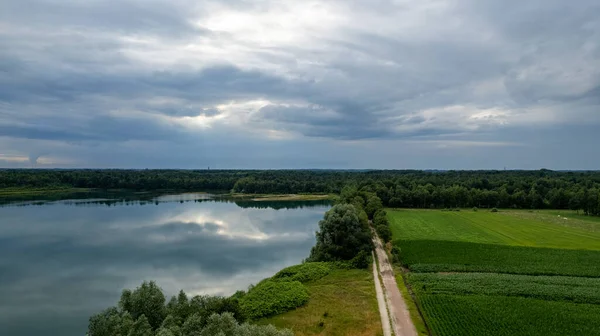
{"points": [[342, 302], [502, 273]]}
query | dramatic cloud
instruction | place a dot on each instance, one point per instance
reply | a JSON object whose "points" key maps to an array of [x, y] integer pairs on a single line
{"points": [[289, 84]]}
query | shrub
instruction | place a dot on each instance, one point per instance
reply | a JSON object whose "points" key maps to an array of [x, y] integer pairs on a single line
{"points": [[395, 254], [361, 260], [475, 209], [304, 272], [494, 210], [273, 297], [384, 233]]}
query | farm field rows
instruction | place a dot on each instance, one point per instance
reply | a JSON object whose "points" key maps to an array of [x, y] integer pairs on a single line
{"points": [[504, 273]]}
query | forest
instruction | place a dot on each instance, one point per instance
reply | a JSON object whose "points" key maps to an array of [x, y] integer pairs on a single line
{"points": [[541, 189]]}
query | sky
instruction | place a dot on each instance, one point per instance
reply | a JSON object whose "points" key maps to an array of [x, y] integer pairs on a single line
{"points": [[430, 84]]}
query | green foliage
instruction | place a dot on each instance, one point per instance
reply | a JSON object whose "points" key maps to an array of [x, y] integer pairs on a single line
{"points": [[173, 325], [141, 327], [362, 260], [373, 205], [203, 315], [147, 300], [192, 326], [109, 322], [406, 189], [306, 272], [164, 332], [494, 210], [224, 323], [384, 232], [341, 235], [273, 297]]}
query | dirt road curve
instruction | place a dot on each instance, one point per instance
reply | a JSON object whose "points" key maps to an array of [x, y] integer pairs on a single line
{"points": [[401, 323]]}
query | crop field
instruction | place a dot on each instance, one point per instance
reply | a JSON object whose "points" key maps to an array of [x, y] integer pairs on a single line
{"points": [[505, 273]]}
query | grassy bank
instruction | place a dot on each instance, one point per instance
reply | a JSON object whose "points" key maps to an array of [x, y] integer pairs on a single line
{"points": [[341, 303], [502, 259]]}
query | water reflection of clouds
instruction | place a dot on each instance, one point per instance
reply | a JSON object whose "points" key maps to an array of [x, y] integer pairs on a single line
{"points": [[61, 263]]}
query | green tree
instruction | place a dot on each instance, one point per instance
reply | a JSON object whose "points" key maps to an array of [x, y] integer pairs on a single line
{"points": [[192, 326], [373, 204], [141, 327], [106, 323], [147, 300], [172, 324], [164, 332], [224, 323], [341, 235]]}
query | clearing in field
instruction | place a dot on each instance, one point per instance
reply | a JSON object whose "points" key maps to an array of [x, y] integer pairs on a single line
{"points": [[341, 303], [519, 272]]}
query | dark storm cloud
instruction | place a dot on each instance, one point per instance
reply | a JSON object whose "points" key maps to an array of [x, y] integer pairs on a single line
{"points": [[100, 72]]}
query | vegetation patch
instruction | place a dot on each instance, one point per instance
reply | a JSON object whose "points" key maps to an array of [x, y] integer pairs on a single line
{"points": [[448, 256], [273, 297], [477, 315], [489, 228], [555, 288], [306, 272], [343, 300]]}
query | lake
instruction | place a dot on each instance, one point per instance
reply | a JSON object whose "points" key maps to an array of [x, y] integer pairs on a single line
{"points": [[62, 261]]}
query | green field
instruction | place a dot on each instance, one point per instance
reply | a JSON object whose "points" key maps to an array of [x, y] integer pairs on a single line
{"points": [[343, 301], [504, 273]]}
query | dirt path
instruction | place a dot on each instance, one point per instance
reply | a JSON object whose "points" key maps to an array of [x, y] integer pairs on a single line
{"points": [[385, 318], [401, 323]]}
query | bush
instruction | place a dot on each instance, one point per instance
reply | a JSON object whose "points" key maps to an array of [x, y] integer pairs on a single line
{"points": [[384, 233], [395, 254], [362, 260], [304, 272], [475, 209], [273, 297], [494, 210]]}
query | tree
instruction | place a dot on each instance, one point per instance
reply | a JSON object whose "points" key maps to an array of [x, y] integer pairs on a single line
{"points": [[141, 327], [172, 325], [224, 323], [106, 323], [192, 326], [384, 233], [341, 235], [164, 332], [147, 300], [373, 204]]}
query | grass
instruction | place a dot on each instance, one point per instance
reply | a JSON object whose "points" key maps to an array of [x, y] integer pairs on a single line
{"points": [[477, 315], [489, 228], [520, 272], [449, 256], [343, 301]]}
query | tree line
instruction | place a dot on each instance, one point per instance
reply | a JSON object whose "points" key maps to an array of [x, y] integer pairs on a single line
{"points": [[542, 189]]}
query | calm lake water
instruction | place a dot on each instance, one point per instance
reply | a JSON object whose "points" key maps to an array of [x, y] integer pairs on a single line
{"points": [[62, 261]]}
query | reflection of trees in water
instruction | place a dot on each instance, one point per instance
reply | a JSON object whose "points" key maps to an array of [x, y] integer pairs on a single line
{"points": [[95, 198]]}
